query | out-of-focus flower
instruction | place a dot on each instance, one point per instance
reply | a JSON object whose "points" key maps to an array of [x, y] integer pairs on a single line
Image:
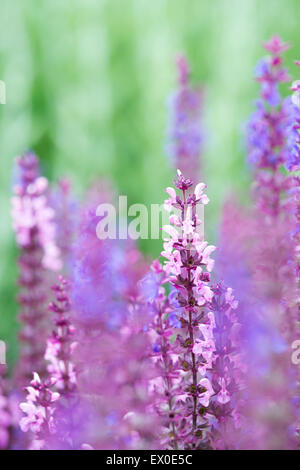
{"points": [[164, 353], [65, 209], [35, 234], [38, 410], [185, 130], [266, 130], [111, 331], [60, 344], [5, 415], [256, 259]]}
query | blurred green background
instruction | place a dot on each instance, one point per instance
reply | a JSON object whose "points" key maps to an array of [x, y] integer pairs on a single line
{"points": [[86, 87]]}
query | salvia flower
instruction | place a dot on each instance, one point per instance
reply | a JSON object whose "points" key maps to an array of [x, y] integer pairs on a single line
{"points": [[31, 210], [61, 343], [292, 161], [65, 208], [187, 266], [270, 132], [293, 165], [227, 369], [185, 134], [266, 130], [164, 353], [112, 354], [35, 236], [273, 140], [268, 257]]}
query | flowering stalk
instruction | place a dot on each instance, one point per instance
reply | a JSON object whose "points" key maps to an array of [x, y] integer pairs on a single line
{"points": [[293, 165], [269, 147], [185, 128], [60, 345], [32, 222], [227, 371], [292, 162], [164, 352], [111, 356], [266, 132], [52, 424], [65, 209], [187, 254]]}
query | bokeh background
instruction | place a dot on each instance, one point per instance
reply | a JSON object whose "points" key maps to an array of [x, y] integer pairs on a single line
{"points": [[86, 88]]}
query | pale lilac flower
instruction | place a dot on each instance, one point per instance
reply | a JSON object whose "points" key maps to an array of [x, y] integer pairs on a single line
{"points": [[35, 417]]}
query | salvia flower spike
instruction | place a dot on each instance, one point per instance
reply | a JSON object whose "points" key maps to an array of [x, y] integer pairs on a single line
{"points": [[35, 236], [188, 266], [185, 130]]}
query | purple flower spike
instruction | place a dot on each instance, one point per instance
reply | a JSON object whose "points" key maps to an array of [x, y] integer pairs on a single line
{"points": [[266, 131], [61, 343], [185, 134], [35, 235]]}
